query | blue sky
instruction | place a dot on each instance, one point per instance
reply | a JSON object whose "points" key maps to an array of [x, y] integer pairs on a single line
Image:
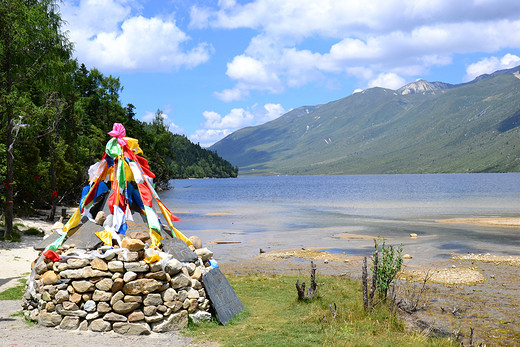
{"points": [[214, 67]]}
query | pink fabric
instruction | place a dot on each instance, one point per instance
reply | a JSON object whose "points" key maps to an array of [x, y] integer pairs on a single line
{"points": [[118, 131]]}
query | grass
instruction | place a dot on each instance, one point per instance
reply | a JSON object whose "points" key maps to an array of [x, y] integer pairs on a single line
{"points": [[274, 317], [15, 293]]}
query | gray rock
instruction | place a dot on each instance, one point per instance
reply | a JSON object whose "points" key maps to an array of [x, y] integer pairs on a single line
{"points": [[132, 328], [49, 319], [169, 295], [149, 310], [100, 295], [100, 325], [176, 321], [70, 306], [200, 316], [90, 306], [133, 298], [155, 267], [116, 266], [125, 307], [92, 315], [114, 317], [129, 276], [180, 281], [195, 240], [193, 294], [40, 267], [204, 253], [105, 284], [182, 295], [130, 256], [117, 285], [157, 317], [135, 316], [191, 267], [69, 323], [90, 272], [74, 274], [178, 249], [141, 286], [196, 284], [140, 266], [76, 313], [153, 299], [82, 286], [83, 326], [173, 267], [62, 266], [116, 297], [158, 275], [103, 307], [77, 263]]}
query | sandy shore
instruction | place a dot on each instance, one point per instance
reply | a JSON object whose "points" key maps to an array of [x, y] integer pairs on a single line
{"points": [[497, 222], [481, 289]]}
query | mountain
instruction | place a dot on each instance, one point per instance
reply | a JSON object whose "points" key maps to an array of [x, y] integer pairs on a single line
{"points": [[423, 127]]}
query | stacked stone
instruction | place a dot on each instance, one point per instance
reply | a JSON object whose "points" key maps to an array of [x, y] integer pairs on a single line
{"points": [[121, 292]]}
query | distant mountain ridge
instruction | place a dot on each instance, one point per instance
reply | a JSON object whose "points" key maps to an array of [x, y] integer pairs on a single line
{"points": [[423, 127]]}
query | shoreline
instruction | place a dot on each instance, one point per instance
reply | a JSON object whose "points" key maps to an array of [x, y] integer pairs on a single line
{"points": [[485, 221], [480, 286]]}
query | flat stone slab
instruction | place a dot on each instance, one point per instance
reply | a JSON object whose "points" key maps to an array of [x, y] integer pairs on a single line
{"points": [[223, 298], [179, 249]]}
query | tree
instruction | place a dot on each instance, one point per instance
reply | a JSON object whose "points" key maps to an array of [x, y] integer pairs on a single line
{"points": [[30, 45]]}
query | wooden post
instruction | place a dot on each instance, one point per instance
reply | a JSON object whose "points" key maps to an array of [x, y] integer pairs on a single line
{"points": [[374, 279], [364, 280], [311, 291]]}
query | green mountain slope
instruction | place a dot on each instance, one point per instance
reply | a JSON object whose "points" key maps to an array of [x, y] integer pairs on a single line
{"points": [[434, 128]]}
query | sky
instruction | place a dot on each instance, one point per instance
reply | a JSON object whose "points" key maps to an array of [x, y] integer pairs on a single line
{"points": [[213, 67]]}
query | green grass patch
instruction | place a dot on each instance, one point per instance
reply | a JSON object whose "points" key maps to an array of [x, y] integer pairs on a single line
{"points": [[15, 293], [274, 317], [33, 232]]}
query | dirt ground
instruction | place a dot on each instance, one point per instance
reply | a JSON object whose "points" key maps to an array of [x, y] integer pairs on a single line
{"points": [[14, 331], [464, 292], [467, 291]]}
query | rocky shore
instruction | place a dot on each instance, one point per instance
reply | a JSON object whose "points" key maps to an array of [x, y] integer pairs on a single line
{"points": [[476, 291]]}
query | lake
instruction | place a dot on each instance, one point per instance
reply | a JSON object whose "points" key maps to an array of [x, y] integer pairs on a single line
{"points": [[275, 212]]}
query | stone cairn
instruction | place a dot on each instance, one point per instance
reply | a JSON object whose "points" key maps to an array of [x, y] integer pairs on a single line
{"points": [[120, 289]]}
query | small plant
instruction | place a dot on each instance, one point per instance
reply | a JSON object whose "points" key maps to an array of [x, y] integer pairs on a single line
{"points": [[386, 266], [34, 232]]}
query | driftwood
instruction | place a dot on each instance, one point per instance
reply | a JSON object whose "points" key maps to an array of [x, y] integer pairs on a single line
{"points": [[311, 291]]}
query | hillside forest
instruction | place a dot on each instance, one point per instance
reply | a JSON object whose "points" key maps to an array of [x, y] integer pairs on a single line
{"points": [[55, 115]]}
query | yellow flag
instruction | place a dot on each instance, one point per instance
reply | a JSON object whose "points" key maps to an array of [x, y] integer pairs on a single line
{"points": [[155, 237], [154, 258], [105, 236], [73, 221]]}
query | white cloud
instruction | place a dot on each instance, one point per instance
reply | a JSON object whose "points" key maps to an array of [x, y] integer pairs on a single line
{"points": [[233, 94], [252, 72], [107, 35], [215, 127], [491, 64], [207, 137], [387, 80], [363, 40]]}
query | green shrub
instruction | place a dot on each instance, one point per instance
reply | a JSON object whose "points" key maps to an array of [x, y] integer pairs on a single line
{"points": [[389, 260]]}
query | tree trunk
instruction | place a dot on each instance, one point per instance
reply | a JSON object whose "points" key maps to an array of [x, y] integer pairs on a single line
{"points": [[311, 291], [9, 191]]}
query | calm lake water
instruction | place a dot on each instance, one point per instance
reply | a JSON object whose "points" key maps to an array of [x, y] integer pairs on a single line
{"points": [[276, 212]]}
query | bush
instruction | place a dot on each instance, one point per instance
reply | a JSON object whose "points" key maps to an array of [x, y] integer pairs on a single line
{"points": [[386, 264]]}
